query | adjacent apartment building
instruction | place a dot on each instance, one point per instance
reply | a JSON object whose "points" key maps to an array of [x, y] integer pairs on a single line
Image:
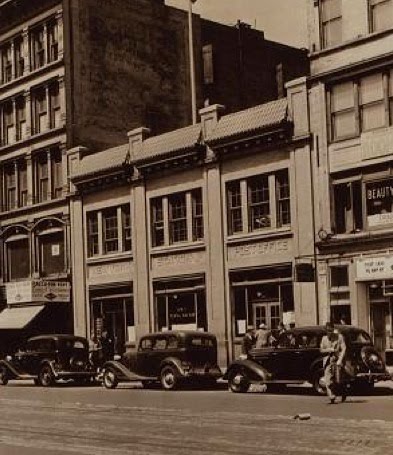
{"points": [[208, 227], [351, 110], [84, 72]]}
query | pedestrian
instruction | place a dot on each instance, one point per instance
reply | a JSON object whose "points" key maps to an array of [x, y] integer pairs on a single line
{"points": [[248, 342], [107, 346], [281, 328], [263, 336], [334, 349], [94, 350]]}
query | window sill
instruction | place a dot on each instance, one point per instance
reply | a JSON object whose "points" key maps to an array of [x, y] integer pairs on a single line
{"points": [[260, 235], [123, 255], [349, 43], [186, 246]]}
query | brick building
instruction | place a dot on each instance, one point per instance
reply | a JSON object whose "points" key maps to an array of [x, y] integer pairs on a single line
{"points": [[84, 72], [351, 96]]}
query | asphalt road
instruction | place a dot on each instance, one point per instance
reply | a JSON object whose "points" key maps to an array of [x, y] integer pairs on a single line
{"points": [[128, 420]]}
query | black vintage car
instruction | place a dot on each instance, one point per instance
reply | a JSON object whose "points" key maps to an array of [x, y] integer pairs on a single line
{"points": [[48, 358], [295, 358], [170, 358]]}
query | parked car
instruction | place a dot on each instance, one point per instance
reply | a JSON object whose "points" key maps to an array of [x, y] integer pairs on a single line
{"points": [[48, 358], [295, 358], [170, 358]]}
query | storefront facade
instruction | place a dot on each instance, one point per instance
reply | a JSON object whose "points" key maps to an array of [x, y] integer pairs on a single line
{"points": [[216, 227]]}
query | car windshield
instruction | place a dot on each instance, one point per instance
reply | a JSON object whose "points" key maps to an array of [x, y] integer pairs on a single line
{"points": [[358, 337]]}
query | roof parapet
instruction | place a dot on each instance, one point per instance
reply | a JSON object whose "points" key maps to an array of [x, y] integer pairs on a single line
{"points": [[136, 137], [210, 116]]}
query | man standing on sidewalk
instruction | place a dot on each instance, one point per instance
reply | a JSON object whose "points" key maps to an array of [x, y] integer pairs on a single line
{"points": [[334, 348]]}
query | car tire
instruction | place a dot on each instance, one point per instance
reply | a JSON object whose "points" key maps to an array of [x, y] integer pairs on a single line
{"points": [[238, 382], [317, 382], [109, 379], [4, 376], [45, 376], [169, 378]]}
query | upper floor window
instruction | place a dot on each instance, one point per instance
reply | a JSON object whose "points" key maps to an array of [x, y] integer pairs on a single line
{"points": [[331, 22], [53, 41], [48, 175], [6, 63], [40, 110], [57, 174], [177, 218], [8, 123], [109, 230], [52, 254], [22, 183], [18, 258], [20, 106], [360, 105], [19, 60], [38, 47], [42, 177], [258, 203], [381, 14], [348, 206], [55, 111], [10, 186]]}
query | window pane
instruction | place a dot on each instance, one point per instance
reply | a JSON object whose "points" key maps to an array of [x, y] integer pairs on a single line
{"points": [[381, 15], [371, 101], [259, 205], [52, 254], [178, 218], [373, 116], [332, 32], [197, 215], [339, 276], [18, 255], [110, 231], [331, 9], [157, 216], [127, 242], [92, 233], [342, 96], [344, 124], [371, 88], [283, 199], [235, 221]]}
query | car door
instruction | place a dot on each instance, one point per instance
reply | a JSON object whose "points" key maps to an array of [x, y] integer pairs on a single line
{"points": [[306, 352]]}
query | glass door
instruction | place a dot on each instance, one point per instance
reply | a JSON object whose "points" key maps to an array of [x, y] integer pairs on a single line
{"points": [[266, 313]]}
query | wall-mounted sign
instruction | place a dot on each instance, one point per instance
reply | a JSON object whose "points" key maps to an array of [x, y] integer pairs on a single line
{"points": [[379, 199], [374, 268], [37, 291]]}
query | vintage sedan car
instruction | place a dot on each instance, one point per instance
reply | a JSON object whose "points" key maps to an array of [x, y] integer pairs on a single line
{"points": [[295, 358], [49, 358], [171, 358]]}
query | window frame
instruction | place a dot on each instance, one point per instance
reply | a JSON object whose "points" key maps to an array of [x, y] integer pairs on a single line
{"points": [[372, 6], [326, 22]]}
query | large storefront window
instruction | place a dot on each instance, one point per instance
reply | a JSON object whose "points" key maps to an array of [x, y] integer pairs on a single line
{"points": [[265, 302], [113, 312], [180, 306]]}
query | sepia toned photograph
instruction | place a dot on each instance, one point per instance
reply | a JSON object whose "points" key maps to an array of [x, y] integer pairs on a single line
{"points": [[196, 227]]}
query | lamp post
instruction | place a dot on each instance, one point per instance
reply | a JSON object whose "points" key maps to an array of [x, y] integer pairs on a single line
{"points": [[192, 62]]}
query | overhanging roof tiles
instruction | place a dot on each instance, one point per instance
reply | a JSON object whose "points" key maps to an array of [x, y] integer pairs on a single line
{"points": [[168, 143], [102, 161], [251, 120]]}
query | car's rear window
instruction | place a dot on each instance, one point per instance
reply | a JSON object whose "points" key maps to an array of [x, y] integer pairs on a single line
{"points": [[358, 337], [72, 344], [202, 342]]}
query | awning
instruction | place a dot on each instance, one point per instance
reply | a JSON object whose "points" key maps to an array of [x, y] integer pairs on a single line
{"points": [[19, 317]]}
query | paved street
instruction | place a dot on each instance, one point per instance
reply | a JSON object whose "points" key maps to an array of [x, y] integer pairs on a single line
{"points": [[66, 420]]}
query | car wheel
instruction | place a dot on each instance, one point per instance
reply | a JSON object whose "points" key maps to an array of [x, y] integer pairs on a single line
{"points": [[238, 381], [109, 379], [318, 382], [45, 376], [169, 378], [3, 376]]}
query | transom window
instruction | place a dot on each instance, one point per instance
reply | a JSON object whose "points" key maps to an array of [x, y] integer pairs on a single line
{"points": [[109, 231], [177, 218], [259, 202]]}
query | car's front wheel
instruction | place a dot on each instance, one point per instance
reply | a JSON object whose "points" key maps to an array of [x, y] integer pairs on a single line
{"points": [[238, 381], [4, 376], [169, 378], [318, 382], [45, 377], [109, 379]]}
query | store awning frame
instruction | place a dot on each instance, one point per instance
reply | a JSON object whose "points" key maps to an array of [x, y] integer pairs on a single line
{"points": [[17, 318]]}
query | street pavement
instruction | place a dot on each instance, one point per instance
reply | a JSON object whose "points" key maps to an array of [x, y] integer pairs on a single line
{"points": [[129, 420]]}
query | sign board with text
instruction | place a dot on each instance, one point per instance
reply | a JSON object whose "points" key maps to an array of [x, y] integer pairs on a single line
{"points": [[38, 291], [374, 268]]}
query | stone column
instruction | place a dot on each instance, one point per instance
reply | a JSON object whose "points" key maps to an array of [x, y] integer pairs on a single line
{"points": [[62, 100], [49, 165], [48, 109], [45, 41], [26, 51], [60, 33], [30, 183], [13, 62], [64, 168], [29, 118]]}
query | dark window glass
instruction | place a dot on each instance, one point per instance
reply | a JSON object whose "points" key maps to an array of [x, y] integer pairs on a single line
{"points": [[283, 199], [259, 203], [234, 199], [110, 230], [52, 254], [348, 207], [126, 228], [197, 215], [18, 255], [177, 218], [92, 234], [157, 222]]}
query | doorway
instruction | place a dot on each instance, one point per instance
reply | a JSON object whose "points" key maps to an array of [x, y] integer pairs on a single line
{"points": [[266, 313], [379, 319]]}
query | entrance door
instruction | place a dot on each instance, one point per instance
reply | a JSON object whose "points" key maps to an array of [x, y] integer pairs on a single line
{"points": [[379, 313], [266, 313]]}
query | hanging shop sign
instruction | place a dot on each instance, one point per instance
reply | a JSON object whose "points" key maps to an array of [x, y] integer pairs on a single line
{"points": [[379, 196], [37, 291], [374, 268]]}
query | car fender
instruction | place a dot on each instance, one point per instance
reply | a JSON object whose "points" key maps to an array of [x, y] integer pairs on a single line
{"points": [[10, 368], [122, 372], [175, 362], [316, 365], [254, 370]]}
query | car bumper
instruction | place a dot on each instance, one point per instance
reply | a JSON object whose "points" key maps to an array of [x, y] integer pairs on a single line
{"points": [[213, 372], [74, 374], [374, 377]]}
